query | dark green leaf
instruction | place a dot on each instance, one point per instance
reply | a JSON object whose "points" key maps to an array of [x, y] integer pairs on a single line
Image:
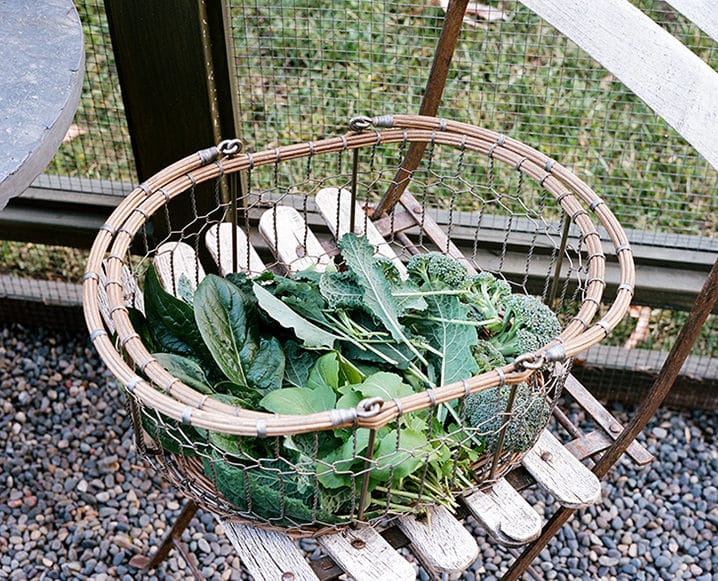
{"points": [[266, 370], [171, 321], [358, 254], [222, 321], [341, 290], [185, 370], [298, 363]]}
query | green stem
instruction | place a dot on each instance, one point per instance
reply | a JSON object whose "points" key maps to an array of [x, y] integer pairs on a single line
{"points": [[483, 323], [450, 292]]}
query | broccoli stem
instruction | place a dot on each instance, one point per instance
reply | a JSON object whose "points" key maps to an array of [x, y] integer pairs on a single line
{"points": [[484, 323], [429, 293]]}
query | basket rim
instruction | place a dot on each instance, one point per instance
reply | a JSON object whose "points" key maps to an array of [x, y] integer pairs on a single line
{"points": [[181, 402]]}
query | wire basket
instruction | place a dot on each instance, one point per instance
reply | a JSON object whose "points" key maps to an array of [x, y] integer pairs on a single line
{"points": [[399, 429]]}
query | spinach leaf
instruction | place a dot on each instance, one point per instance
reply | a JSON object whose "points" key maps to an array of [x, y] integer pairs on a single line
{"points": [[171, 322], [225, 324], [186, 370], [337, 468], [410, 455], [325, 373], [319, 394], [299, 400], [309, 333], [384, 385], [302, 295]]}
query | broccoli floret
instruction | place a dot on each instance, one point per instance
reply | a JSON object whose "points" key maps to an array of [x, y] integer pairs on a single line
{"points": [[486, 294], [527, 325], [436, 270], [487, 356], [486, 411]]}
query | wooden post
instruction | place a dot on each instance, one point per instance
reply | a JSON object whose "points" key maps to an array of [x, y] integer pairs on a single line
{"points": [[174, 64]]}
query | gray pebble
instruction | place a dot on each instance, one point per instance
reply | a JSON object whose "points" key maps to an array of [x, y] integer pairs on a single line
{"points": [[75, 455]]}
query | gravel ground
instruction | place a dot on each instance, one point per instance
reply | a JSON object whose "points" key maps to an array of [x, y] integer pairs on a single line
{"points": [[76, 502]]}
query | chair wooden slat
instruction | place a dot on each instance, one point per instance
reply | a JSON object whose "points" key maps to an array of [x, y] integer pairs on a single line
{"points": [[561, 474], [268, 555], [505, 514], [334, 204], [366, 556], [175, 259], [287, 235], [440, 541], [219, 244]]}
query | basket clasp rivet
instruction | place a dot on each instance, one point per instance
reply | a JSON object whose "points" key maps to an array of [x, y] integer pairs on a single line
{"points": [[287, 576], [358, 544]]}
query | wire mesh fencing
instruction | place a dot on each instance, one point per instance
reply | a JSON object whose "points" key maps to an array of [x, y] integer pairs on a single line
{"points": [[302, 68]]}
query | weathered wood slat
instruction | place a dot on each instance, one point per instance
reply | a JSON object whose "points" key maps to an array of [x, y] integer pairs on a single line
{"points": [[505, 514], [440, 541], [561, 474], [334, 204], [366, 556], [175, 260], [291, 241], [702, 13], [603, 418], [268, 555], [219, 244], [657, 67]]}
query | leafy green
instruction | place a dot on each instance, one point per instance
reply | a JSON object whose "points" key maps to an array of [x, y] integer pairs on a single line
{"points": [[225, 324], [298, 363], [171, 322], [185, 369], [309, 333], [319, 394], [359, 257], [451, 340]]}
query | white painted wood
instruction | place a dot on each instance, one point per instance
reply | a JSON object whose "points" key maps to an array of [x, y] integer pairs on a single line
{"points": [[174, 259], [702, 13], [334, 204], [366, 556], [267, 554], [561, 473], [293, 244], [221, 250], [440, 541], [505, 514], [660, 70]]}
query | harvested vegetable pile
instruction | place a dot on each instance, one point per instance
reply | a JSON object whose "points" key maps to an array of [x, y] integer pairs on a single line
{"points": [[316, 341]]}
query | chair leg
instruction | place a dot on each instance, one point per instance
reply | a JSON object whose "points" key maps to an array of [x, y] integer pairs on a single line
{"points": [[173, 538]]}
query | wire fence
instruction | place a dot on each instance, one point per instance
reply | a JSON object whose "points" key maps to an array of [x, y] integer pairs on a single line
{"points": [[304, 67]]}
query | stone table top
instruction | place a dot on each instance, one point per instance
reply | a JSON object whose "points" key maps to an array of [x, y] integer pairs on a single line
{"points": [[42, 61]]}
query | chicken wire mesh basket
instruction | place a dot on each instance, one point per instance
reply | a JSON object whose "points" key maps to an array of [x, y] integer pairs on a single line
{"points": [[346, 330]]}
